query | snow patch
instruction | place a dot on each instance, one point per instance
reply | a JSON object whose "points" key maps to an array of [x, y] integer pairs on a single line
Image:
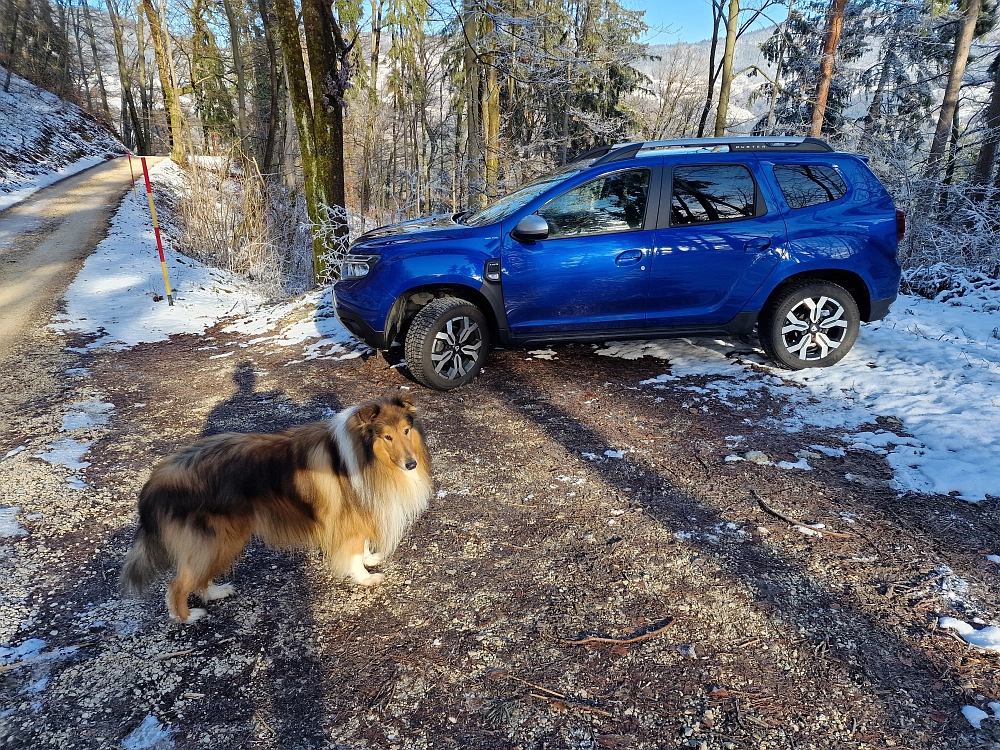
{"points": [[67, 452], [933, 366], [987, 638], [8, 524], [85, 414], [149, 734]]}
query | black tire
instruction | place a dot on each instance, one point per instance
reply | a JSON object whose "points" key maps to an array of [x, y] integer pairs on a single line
{"points": [[443, 357], [809, 324]]}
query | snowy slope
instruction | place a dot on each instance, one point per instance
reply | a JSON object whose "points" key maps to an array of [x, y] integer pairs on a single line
{"points": [[43, 139]]}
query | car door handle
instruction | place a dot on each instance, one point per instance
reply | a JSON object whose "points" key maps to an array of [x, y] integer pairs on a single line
{"points": [[628, 257], [757, 244]]}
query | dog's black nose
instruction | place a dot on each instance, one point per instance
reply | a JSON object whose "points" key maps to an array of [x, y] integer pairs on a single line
{"points": [[411, 464]]}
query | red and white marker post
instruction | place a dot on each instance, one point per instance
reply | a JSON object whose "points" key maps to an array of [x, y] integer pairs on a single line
{"points": [[156, 230], [131, 172]]}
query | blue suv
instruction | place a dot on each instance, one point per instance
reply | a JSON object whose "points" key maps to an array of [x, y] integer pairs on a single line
{"points": [[640, 240]]}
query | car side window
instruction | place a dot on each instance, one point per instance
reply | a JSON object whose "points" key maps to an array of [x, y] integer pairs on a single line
{"points": [[717, 192], [809, 184], [612, 203]]}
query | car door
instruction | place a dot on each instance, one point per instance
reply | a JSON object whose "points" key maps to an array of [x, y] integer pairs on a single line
{"points": [[592, 271], [716, 242]]}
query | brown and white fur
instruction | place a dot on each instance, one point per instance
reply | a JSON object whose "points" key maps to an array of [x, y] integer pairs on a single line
{"points": [[338, 486]]}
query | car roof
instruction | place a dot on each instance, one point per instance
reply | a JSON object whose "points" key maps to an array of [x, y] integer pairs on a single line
{"points": [[620, 151]]}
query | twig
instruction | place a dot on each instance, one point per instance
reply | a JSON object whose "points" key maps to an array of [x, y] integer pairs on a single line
{"points": [[185, 652], [635, 639], [573, 704], [793, 522], [537, 687]]}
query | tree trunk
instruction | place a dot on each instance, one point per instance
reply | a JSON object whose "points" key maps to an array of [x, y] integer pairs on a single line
{"points": [[875, 110], [716, 20], [171, 102], [960, 58], [835, 22], [318, 119], [241, 84], [272, 63], [144, 97], [97, 61], [473, 102], [988, 151], [128, 104], [79, 55], [15, 10], [732, 29]]}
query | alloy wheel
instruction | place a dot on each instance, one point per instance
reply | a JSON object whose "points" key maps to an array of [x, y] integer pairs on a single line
{"points": [[456, 347], [814, 327]]}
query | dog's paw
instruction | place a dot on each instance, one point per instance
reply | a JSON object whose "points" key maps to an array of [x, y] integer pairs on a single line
{"points": [[218, 592], [372, 579], [373, 559], [196, 614]]}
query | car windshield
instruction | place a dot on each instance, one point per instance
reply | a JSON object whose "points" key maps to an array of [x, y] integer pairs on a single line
{"points": [[510, 203]]}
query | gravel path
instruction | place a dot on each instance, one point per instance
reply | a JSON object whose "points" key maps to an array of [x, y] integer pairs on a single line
{"points": [[571, 502]]}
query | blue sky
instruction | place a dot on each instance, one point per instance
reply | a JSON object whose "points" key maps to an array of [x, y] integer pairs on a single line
{"points": [[680, 20]]}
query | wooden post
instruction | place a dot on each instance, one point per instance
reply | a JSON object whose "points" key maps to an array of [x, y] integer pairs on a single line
{"points": [[156, 231]]}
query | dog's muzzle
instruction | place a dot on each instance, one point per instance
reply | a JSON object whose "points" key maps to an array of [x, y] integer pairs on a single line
{"points": [[411, 464]]}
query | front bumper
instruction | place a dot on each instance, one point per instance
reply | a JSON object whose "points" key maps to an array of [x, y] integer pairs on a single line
{"points": [[360, 328]]}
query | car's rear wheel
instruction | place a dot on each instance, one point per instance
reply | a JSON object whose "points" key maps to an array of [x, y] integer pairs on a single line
{"points": [[447, 343], [810, 324]]}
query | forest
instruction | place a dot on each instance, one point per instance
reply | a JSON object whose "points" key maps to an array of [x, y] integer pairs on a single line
{"points": [[329, 118]]}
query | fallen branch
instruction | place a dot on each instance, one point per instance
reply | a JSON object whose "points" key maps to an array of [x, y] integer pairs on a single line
{"points": [[619, 641], [793, 522]]}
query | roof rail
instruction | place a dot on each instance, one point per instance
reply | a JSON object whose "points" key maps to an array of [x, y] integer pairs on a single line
{"points": [[757, 143]]}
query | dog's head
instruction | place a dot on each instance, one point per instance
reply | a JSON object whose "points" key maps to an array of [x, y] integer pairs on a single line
{"points": [[390, 433]]}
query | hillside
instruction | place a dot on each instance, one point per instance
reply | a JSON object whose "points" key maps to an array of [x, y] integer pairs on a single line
{"points": [[43, 139]]}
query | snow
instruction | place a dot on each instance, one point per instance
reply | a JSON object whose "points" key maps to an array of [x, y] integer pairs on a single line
{"points": [[9, 525], [994, 559], [932, 365], [987, 638], [67, 452], [975, 716], [149, 734], [44, 139], [87, 413]]}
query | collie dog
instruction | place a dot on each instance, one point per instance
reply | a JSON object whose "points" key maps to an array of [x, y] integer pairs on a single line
{"points": [[339, 486]]}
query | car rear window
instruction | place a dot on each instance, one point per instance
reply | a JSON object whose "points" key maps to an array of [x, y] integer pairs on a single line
{"points": [[809, 184], [718, 192]]}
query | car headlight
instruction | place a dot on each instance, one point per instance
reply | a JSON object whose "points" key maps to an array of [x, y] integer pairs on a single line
{"points": [[357, 266]]}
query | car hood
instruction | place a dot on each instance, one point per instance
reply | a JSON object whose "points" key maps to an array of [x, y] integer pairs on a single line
{"points": [[425, 228]]}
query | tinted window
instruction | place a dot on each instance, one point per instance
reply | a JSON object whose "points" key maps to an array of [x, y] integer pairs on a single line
{"points": [[711, 193], [613, 203], [807, 185]]}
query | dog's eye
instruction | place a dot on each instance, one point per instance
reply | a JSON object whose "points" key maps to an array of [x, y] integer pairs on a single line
{"points": [[406, 431], [389, 438]]}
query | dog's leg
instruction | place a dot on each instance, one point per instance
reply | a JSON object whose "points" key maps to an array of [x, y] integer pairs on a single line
{"points": [[354, 551], [177, 598], [371, 559]]}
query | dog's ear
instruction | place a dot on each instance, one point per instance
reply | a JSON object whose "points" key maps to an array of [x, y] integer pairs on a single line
{"points": [[367, 414], [407, 402]]}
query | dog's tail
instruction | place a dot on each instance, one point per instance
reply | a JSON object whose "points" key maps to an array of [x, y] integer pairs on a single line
{"points": [[147, 557]]}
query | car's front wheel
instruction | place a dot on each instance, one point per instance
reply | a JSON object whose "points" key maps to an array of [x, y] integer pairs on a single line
{"points": [[810, 324], [447, 343]]}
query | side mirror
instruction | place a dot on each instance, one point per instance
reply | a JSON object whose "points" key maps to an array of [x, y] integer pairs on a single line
{"points": [[530, 229]]}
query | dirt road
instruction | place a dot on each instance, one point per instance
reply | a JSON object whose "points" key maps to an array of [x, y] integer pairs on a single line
{"points": [[572, 501], [43, 242]]}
